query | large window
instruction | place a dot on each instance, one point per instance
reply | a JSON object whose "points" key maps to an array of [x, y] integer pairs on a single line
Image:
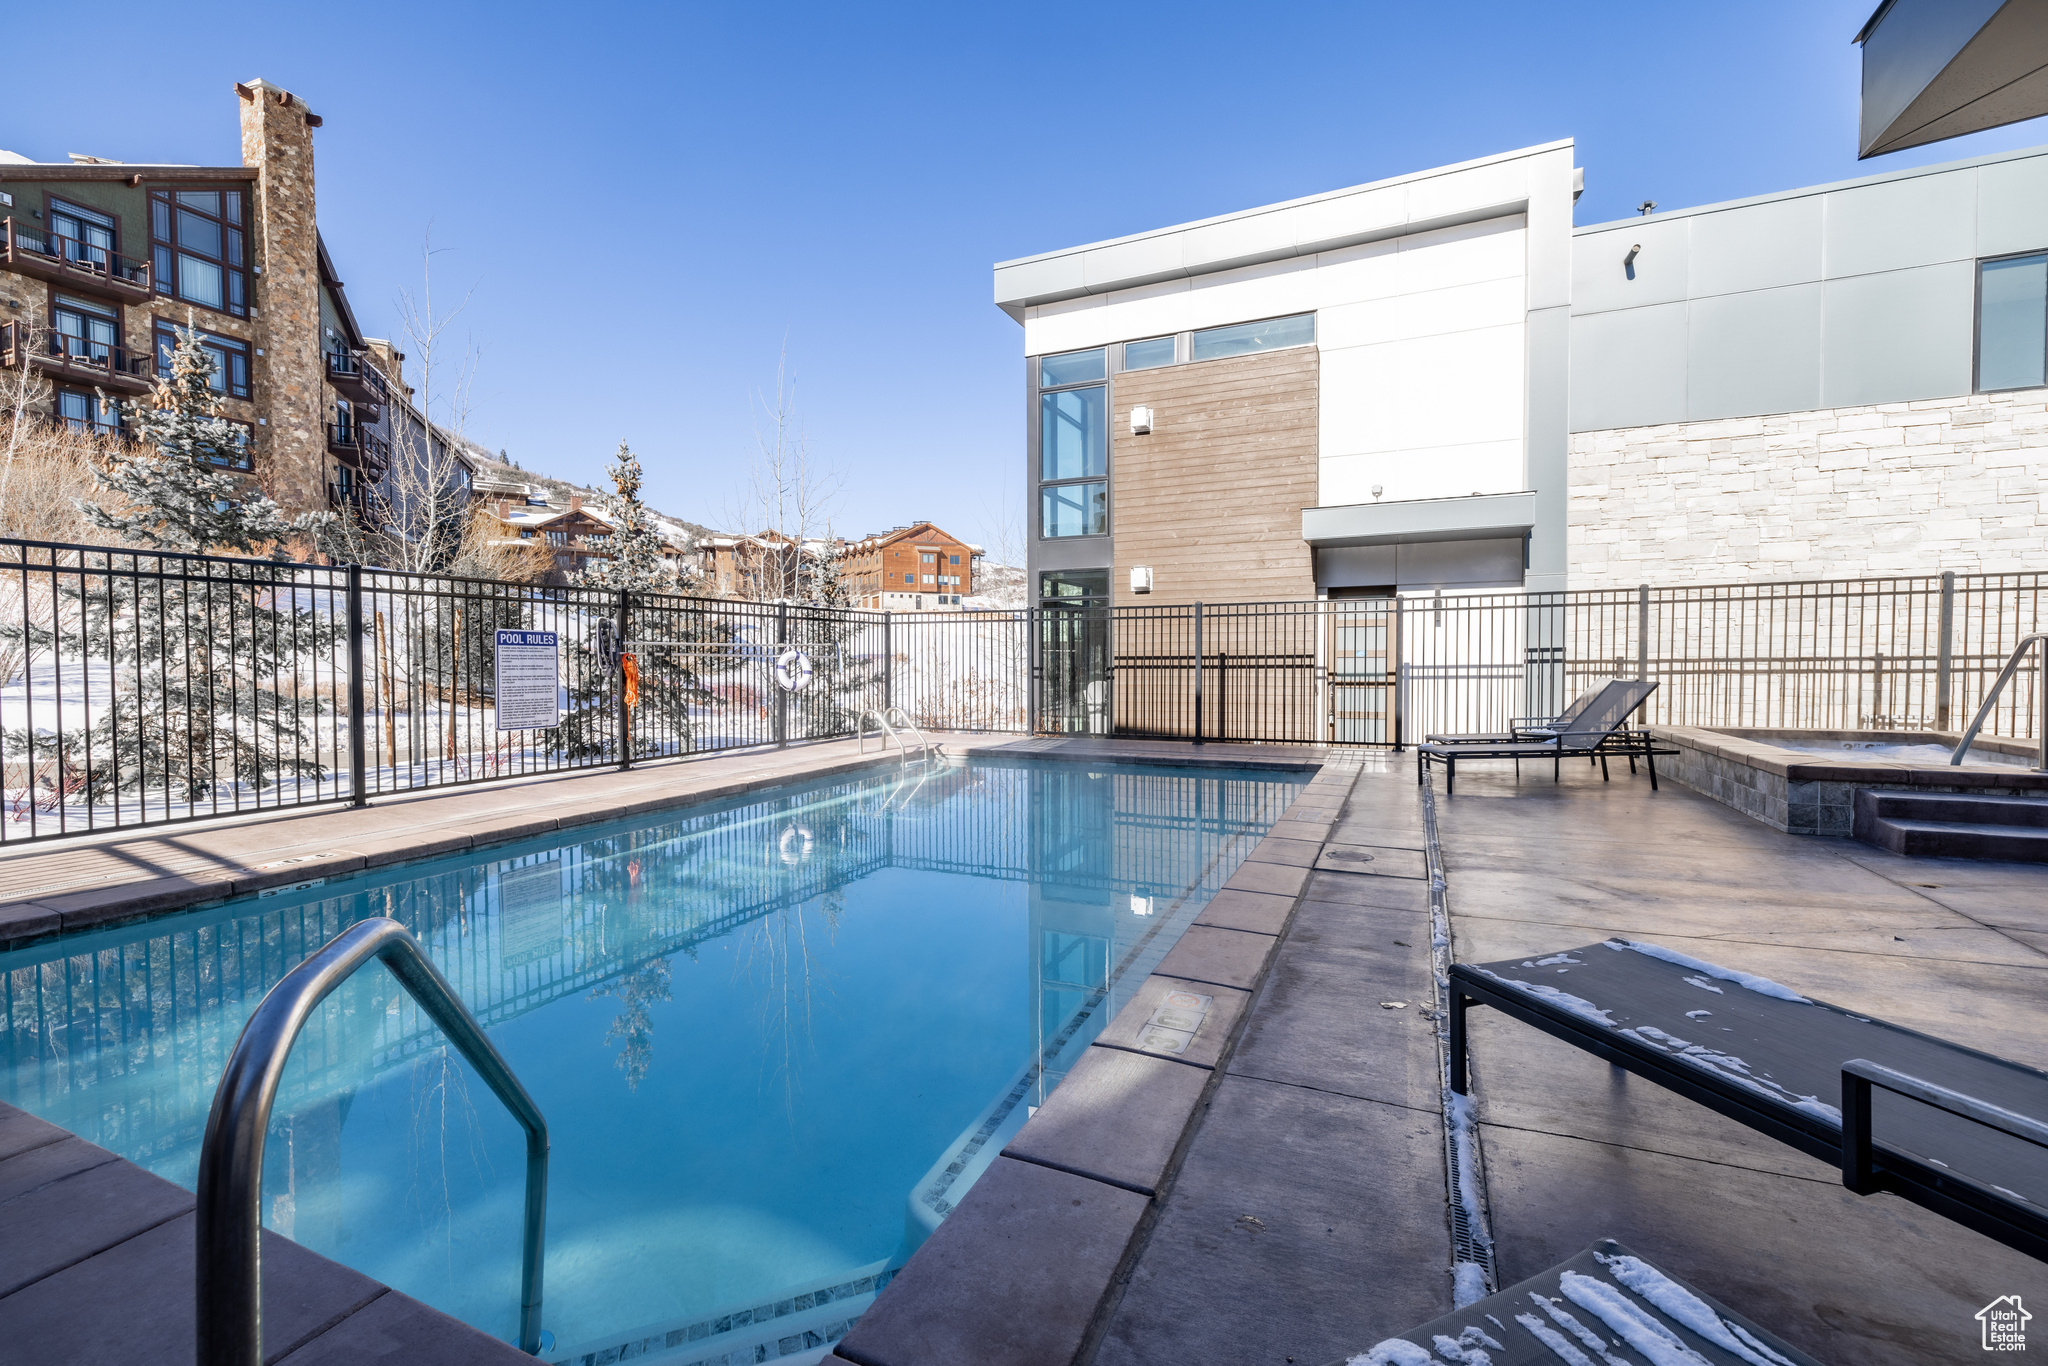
{"points": [[230, 358], [2012, 322], [200, 251], [1073, 444], [1242, 339]]}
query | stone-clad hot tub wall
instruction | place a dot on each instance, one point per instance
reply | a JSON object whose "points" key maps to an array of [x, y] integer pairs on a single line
{"points": [[1807, 794]]}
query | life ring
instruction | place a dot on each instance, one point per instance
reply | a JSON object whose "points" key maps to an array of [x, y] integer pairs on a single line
{"points": [[793, 670], [794, 846]]}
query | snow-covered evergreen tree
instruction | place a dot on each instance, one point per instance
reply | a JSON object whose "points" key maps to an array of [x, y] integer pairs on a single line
{"points": [[206, 652], [175, 485], [636, 561], [670, 681]]}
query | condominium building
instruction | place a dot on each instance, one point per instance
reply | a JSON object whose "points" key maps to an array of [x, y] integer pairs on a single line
{"points": [[908, 568], [1438, 382], [102, 262]]}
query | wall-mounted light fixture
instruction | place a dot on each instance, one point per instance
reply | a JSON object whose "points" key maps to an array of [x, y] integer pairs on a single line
{"points": [[1141, 421], [1628, 262], [1141, 578], [1377, 490]]}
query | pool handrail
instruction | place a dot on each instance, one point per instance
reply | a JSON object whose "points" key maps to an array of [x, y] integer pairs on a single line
{"points": [[228, 1270], [2005, 674], [891, 722]]}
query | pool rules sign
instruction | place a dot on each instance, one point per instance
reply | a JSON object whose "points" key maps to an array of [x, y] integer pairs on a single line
{"points": [[528, 673]]}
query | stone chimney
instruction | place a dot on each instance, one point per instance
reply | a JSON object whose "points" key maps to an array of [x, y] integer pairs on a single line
{"points": [[277, 142], [575, 502], [504, 509], [389, 360]]}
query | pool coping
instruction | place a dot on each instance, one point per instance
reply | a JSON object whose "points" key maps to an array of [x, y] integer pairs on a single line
{"points": [[1064, 1207]]}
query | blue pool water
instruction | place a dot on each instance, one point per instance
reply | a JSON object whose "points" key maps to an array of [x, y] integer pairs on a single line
{"points": [[761, 1033]]}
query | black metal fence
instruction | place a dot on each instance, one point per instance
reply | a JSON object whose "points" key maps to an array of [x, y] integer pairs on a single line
{"points": [[138, 688]]}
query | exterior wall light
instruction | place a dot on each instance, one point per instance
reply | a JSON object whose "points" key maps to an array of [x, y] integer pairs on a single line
{"points": [[1141, 421], [1141, 578]]}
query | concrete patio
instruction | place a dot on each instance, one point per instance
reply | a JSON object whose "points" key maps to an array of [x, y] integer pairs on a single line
{"points": [[1282, 1199]]}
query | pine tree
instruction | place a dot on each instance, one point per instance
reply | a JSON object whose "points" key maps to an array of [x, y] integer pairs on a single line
{"points": [[207, 650], [177, 475], [636, 562], [670, 681]]}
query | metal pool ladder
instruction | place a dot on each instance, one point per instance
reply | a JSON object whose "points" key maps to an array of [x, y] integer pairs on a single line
{"points": [[2012, 665], [228, 1273], [891, 723]]}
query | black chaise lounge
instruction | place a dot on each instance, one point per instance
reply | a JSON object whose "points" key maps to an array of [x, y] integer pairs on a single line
{"points": [[1530, 727], [1605, 1304], [1599, 733], [1957, 1131]]}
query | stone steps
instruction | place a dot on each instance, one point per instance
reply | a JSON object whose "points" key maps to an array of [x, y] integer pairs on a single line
{"points": [[1954, 825]]}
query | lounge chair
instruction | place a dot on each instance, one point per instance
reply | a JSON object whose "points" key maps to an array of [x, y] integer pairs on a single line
{"points": [[1600, 732], [1575, 1310], [1951, 1129], [1529, 727]]}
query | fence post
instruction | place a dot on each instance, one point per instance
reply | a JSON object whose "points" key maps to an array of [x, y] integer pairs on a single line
{"points": [[1198, 672], [1400, 670], [1033, 666], [888, 660], [1944, 663], [358, 777], [625, 712], [1643, 643], [781, 693]]}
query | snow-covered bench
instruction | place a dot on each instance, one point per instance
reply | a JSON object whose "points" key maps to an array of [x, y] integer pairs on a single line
{"points": [[1955, 1130], [1604, 1305]]}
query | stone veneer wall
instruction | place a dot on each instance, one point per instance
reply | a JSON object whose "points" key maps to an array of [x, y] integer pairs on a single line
{"points": [[1896, 488], [277, 141]]}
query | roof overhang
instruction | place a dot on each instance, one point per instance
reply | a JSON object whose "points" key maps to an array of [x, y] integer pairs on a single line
{"points": [[1937, 69], [1476, 517]]}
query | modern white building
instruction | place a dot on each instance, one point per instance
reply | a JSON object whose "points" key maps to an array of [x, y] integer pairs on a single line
{"points": [[1437, 381]]}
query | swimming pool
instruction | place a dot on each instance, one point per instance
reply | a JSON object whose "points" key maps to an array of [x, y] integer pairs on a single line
{"points": [[774, 1039]]}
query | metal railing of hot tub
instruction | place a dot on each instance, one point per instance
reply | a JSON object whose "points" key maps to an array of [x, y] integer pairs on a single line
{"points": [[2005, 674]]}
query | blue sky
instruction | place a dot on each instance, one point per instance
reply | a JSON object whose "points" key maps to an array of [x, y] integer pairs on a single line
{"points": [[650, 202]]}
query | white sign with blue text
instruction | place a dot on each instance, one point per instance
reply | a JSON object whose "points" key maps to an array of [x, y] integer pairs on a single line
{"points": [[528, 669]]}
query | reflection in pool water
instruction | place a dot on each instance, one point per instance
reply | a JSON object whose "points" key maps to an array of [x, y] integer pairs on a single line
{"points": [[761, 1034]]}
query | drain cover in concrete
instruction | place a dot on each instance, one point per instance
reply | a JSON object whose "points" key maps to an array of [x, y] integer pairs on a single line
{"points": [[1372, 859]]}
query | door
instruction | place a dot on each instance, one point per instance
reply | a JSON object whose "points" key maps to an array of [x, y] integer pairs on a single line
{"points": [[1363, 645]]}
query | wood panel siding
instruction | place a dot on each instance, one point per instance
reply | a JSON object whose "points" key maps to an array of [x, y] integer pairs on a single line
{"points": [[1211, 499]]}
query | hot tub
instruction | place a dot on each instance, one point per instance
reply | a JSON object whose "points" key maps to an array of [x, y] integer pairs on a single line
{"points": [[1804, 782]]}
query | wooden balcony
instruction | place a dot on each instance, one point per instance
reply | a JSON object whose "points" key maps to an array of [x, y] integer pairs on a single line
{"points": [[73, 360], [34, 250], [356, 380]]}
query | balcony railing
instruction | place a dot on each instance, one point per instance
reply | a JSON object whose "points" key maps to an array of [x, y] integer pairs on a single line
{"points": [[354, 378], [34, 250], [354, 442], [75, 360]]}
